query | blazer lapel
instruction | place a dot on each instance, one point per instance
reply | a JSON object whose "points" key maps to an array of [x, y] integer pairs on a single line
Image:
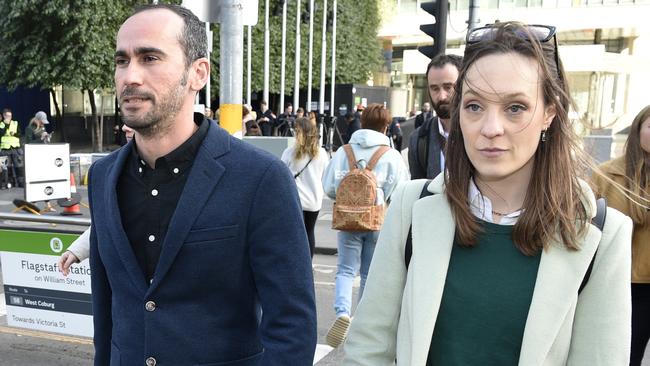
{"points": [[434, 153], [120, 240], [560, 274], [433, 237], [204, 177]]}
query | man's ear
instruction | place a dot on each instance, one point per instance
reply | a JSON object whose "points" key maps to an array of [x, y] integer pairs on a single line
{"points": [[200, 72]]}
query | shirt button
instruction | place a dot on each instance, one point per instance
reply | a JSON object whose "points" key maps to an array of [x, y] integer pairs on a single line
{"points": [[139, 170], [154, 192], [150, 361], [142, 162], [176, 170], [152, 238], [150, 306]]}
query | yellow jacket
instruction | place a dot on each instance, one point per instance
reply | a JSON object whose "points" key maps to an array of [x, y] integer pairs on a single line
{"points": [[10, 139], [615, 169]]}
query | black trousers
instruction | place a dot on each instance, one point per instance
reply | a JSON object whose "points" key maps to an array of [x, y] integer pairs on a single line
{"points": [[310, 218], [640, 321]]}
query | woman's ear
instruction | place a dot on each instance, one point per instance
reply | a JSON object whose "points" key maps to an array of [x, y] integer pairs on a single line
{"points": [[549, 115]]}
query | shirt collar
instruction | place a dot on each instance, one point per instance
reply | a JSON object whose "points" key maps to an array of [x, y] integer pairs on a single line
{"points": [[481, 207], [177, 161], [441, 130]]}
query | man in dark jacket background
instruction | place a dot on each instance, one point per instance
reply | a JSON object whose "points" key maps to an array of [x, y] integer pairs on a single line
{"points": [[427, 143]]}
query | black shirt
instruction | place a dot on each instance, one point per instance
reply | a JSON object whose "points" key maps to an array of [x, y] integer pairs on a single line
{"points": [[147, 197]]}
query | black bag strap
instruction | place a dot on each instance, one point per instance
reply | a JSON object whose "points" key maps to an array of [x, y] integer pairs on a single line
{"points": [[599, 222], [303, 169], [408, 249]]}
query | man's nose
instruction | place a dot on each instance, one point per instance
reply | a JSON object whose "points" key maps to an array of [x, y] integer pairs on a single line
{"points": [[444, 95], [129, 75]]}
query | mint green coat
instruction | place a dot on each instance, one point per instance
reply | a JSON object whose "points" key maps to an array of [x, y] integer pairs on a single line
{"points": [[397, 315]]}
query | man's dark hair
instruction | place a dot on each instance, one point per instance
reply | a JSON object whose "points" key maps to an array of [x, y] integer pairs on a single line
{"points": [[6, 110], [192, 37], [441, 60]]}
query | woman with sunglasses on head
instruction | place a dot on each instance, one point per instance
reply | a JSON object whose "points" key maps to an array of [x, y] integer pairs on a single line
{"points": [[633, 172], [502, 241]]}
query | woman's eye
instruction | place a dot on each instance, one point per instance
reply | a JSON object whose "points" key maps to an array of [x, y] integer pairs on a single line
{"points": [[472, 107], [516, 108]]}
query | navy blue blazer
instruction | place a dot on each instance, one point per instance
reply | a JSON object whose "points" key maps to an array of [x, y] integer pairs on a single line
{"points": [[234, 282]]}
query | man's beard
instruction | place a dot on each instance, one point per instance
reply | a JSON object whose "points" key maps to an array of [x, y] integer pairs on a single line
{"points": [[442, 109], [158, 119]]}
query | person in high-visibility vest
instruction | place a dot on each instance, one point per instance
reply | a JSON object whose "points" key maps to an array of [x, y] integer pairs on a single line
{"points": [[9, 131]]}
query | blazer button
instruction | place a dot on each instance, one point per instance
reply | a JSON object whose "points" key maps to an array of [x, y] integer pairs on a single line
{"points": [[150, 361], [150, 306]]}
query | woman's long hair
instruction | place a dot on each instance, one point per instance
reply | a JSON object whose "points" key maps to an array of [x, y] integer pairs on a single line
{"points": [[307, 138], [637, 167], [553, 200]]}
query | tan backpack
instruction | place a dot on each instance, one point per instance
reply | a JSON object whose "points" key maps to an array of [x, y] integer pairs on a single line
{"points": [[355, 208]]}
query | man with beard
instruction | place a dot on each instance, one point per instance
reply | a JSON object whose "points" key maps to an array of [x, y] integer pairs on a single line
{"points": [[198, 251], [427, 143]]}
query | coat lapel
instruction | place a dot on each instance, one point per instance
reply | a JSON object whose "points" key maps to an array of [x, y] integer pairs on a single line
{"points": [[117, 233], [433, 238], [560, 274], [204, 177]]}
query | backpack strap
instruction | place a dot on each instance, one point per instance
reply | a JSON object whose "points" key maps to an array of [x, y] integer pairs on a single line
{"points": [[408, 249], [376, 156], [352, 160], [599, 222]]}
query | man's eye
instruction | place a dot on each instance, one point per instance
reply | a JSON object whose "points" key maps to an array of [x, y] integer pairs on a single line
{"points": [[150, 58], [121, 61]]}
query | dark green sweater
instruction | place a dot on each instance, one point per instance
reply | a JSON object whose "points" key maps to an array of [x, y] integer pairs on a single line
{"points": [[485, 302]]}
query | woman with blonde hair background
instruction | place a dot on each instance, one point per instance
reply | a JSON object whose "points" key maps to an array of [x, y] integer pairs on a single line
{"points": [[307, 161], [632, 171], [503, 241]]}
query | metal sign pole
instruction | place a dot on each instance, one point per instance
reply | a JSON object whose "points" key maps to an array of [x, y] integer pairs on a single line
{"points": [[296, 78]]}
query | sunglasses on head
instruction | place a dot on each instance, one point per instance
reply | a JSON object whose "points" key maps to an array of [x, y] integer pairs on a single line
{"points": [[540, 33]]}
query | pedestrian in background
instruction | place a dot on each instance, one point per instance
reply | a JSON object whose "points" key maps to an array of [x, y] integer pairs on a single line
{"points": [[632, 171], [355, 249], [197, 251], [425, 113], [9, 133], [35, 132], [307, 162], [313, 117], [426, 153], [267, 119], [502, 243], [300, 112], [353, 125]]}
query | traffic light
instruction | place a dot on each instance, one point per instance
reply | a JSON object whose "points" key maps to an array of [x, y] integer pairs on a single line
{"points": [[438, 30]]}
